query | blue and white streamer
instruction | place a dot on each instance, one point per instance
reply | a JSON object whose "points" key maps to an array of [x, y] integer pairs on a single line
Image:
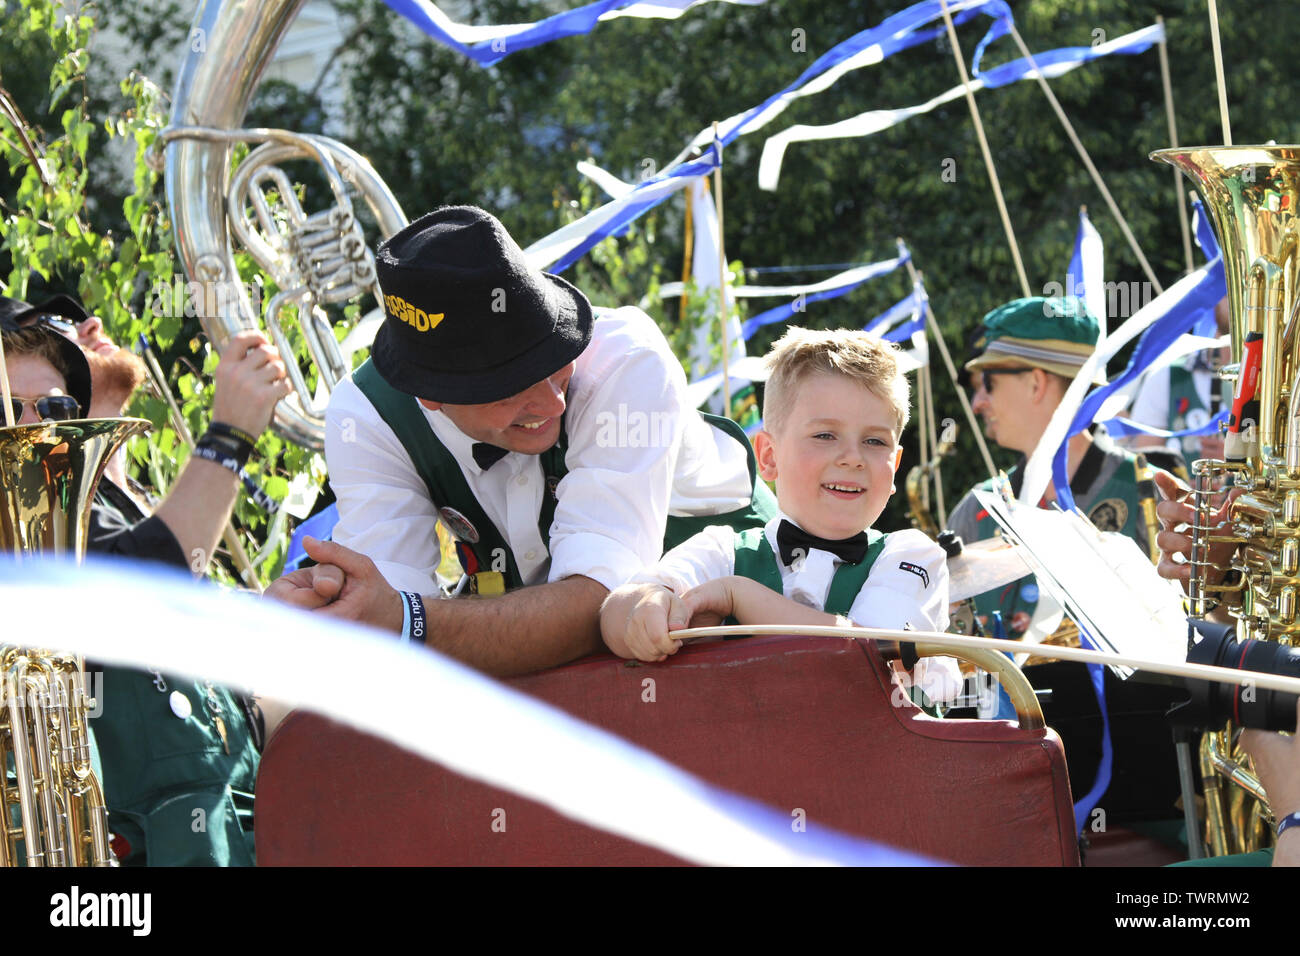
{"points": [[486, 45], [1124, 427], [1160, 322], [1052, 63], [1085, 275], [868, 48], [565, 246], [424, 702], [904, 321], [828, 289]]}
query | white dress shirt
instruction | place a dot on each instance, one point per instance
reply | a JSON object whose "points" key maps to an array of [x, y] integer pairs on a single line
{"points": [[907, 586], [636, 454]]}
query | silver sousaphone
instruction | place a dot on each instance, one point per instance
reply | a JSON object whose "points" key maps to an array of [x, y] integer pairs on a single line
{"points": [[318, 261]]}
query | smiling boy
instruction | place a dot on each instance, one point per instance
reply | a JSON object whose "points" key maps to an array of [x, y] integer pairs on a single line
{"points": [[835, 405]]}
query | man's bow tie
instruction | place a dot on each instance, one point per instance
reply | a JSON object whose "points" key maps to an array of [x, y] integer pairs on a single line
{"points": [[485, 455], [794, 543]]}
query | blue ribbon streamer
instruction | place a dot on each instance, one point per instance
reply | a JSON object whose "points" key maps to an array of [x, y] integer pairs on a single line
{"points": [[1015, 70], [897, 32], [1206, 292], [1123, 427], [487, 52], [782, 312]]}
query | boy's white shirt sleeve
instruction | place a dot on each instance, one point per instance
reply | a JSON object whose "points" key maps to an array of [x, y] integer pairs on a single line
{"points": [[703, 557], [908, 586]]}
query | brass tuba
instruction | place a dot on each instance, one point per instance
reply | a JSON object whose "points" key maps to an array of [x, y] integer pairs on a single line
{"points": [[55, 808], [1251, 193], [317, 260]]}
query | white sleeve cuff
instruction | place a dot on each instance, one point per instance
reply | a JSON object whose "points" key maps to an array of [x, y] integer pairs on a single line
{"points": [[594, 556]]}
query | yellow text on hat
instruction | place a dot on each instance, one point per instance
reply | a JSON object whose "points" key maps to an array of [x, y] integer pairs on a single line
{"points": [[418, 319]]}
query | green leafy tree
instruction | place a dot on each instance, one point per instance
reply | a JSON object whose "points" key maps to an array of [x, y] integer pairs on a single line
{"points": [[126, 273]]}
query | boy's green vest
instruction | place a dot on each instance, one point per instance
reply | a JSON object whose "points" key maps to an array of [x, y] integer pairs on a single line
{"points": [[756, 560], [488, 561]]}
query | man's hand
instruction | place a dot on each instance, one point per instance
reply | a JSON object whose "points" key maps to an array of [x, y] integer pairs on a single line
{"points": [[1175, 513], [636, 618], [308, 589], [343, 584], [1277, 761], [249, 380]]}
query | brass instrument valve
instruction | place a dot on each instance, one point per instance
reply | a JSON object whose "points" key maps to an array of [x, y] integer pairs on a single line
{"points": [[1291, 508]]}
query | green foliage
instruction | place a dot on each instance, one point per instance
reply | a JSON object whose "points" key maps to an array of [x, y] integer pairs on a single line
{"points": [[126, 274]]}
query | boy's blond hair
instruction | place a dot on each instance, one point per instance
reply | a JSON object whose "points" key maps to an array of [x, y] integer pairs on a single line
{"points": [[865, 358]]}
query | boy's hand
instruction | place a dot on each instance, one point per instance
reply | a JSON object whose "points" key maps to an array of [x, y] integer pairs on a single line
{"points": [[636, 618], [712, 602]]}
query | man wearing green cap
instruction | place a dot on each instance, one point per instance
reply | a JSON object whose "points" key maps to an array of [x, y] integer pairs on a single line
{"points": [[1030, 352]]}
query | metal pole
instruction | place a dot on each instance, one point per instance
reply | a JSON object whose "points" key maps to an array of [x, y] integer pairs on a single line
{"points": [[1088, 164], [1173, 141], [984, 149]]}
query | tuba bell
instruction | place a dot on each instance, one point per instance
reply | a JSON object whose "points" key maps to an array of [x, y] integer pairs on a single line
{"points": [[54, 813], [1251, 194], [317, 260]]}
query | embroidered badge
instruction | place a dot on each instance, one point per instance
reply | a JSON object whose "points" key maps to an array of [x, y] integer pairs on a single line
{"points": [[916, 569], [1109, 515], [460, 527], [552, 483]]}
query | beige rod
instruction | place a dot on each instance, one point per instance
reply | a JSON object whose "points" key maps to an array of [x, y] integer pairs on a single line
{"points": [[1218, 73], [1222, 675], [957, 383], [688, 237], [1173, 141], [4, 389], [984, 149], [1087, 162], [940, 510], [722, 281]]}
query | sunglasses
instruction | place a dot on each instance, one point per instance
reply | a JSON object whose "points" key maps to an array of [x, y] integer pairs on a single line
{"points": [[54, 408], [59, 323], [986, 375]]}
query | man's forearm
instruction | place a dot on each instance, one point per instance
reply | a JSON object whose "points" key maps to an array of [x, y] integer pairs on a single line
{"points": [[519, 632], [197, 508]]}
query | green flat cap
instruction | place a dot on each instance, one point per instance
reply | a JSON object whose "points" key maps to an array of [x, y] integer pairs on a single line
{"points": [[1055, 334]]}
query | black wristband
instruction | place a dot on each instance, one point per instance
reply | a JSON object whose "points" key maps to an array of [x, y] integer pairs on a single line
{"points": [[229, 446], [414, 630], [221, 428], [210, 452]]}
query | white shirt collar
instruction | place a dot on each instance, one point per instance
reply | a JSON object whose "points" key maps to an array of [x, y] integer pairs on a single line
{"points": [[461, 445]]}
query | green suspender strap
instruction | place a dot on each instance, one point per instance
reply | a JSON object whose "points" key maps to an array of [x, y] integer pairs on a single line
{"points": [[756, 560], [447, 486], [441, 473], [759, 511]]}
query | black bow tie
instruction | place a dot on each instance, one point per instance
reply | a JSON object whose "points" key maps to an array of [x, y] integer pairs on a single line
{"points": [[794, 543], [485, 455]]}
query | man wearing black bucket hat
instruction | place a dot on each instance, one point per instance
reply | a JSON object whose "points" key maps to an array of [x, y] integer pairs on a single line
{"points": [[554, 443]]}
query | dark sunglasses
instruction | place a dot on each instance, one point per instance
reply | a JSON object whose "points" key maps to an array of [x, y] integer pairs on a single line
{"points": [[60, 323], [986, 375], [54, 408]]}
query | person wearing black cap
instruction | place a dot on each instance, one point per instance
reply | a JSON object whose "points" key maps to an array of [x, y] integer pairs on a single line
{"points": [[173, 751], [553, 442]]}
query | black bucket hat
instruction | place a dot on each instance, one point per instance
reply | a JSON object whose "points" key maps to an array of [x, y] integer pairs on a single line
{"points": [[16, 314], [466, 321]]}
